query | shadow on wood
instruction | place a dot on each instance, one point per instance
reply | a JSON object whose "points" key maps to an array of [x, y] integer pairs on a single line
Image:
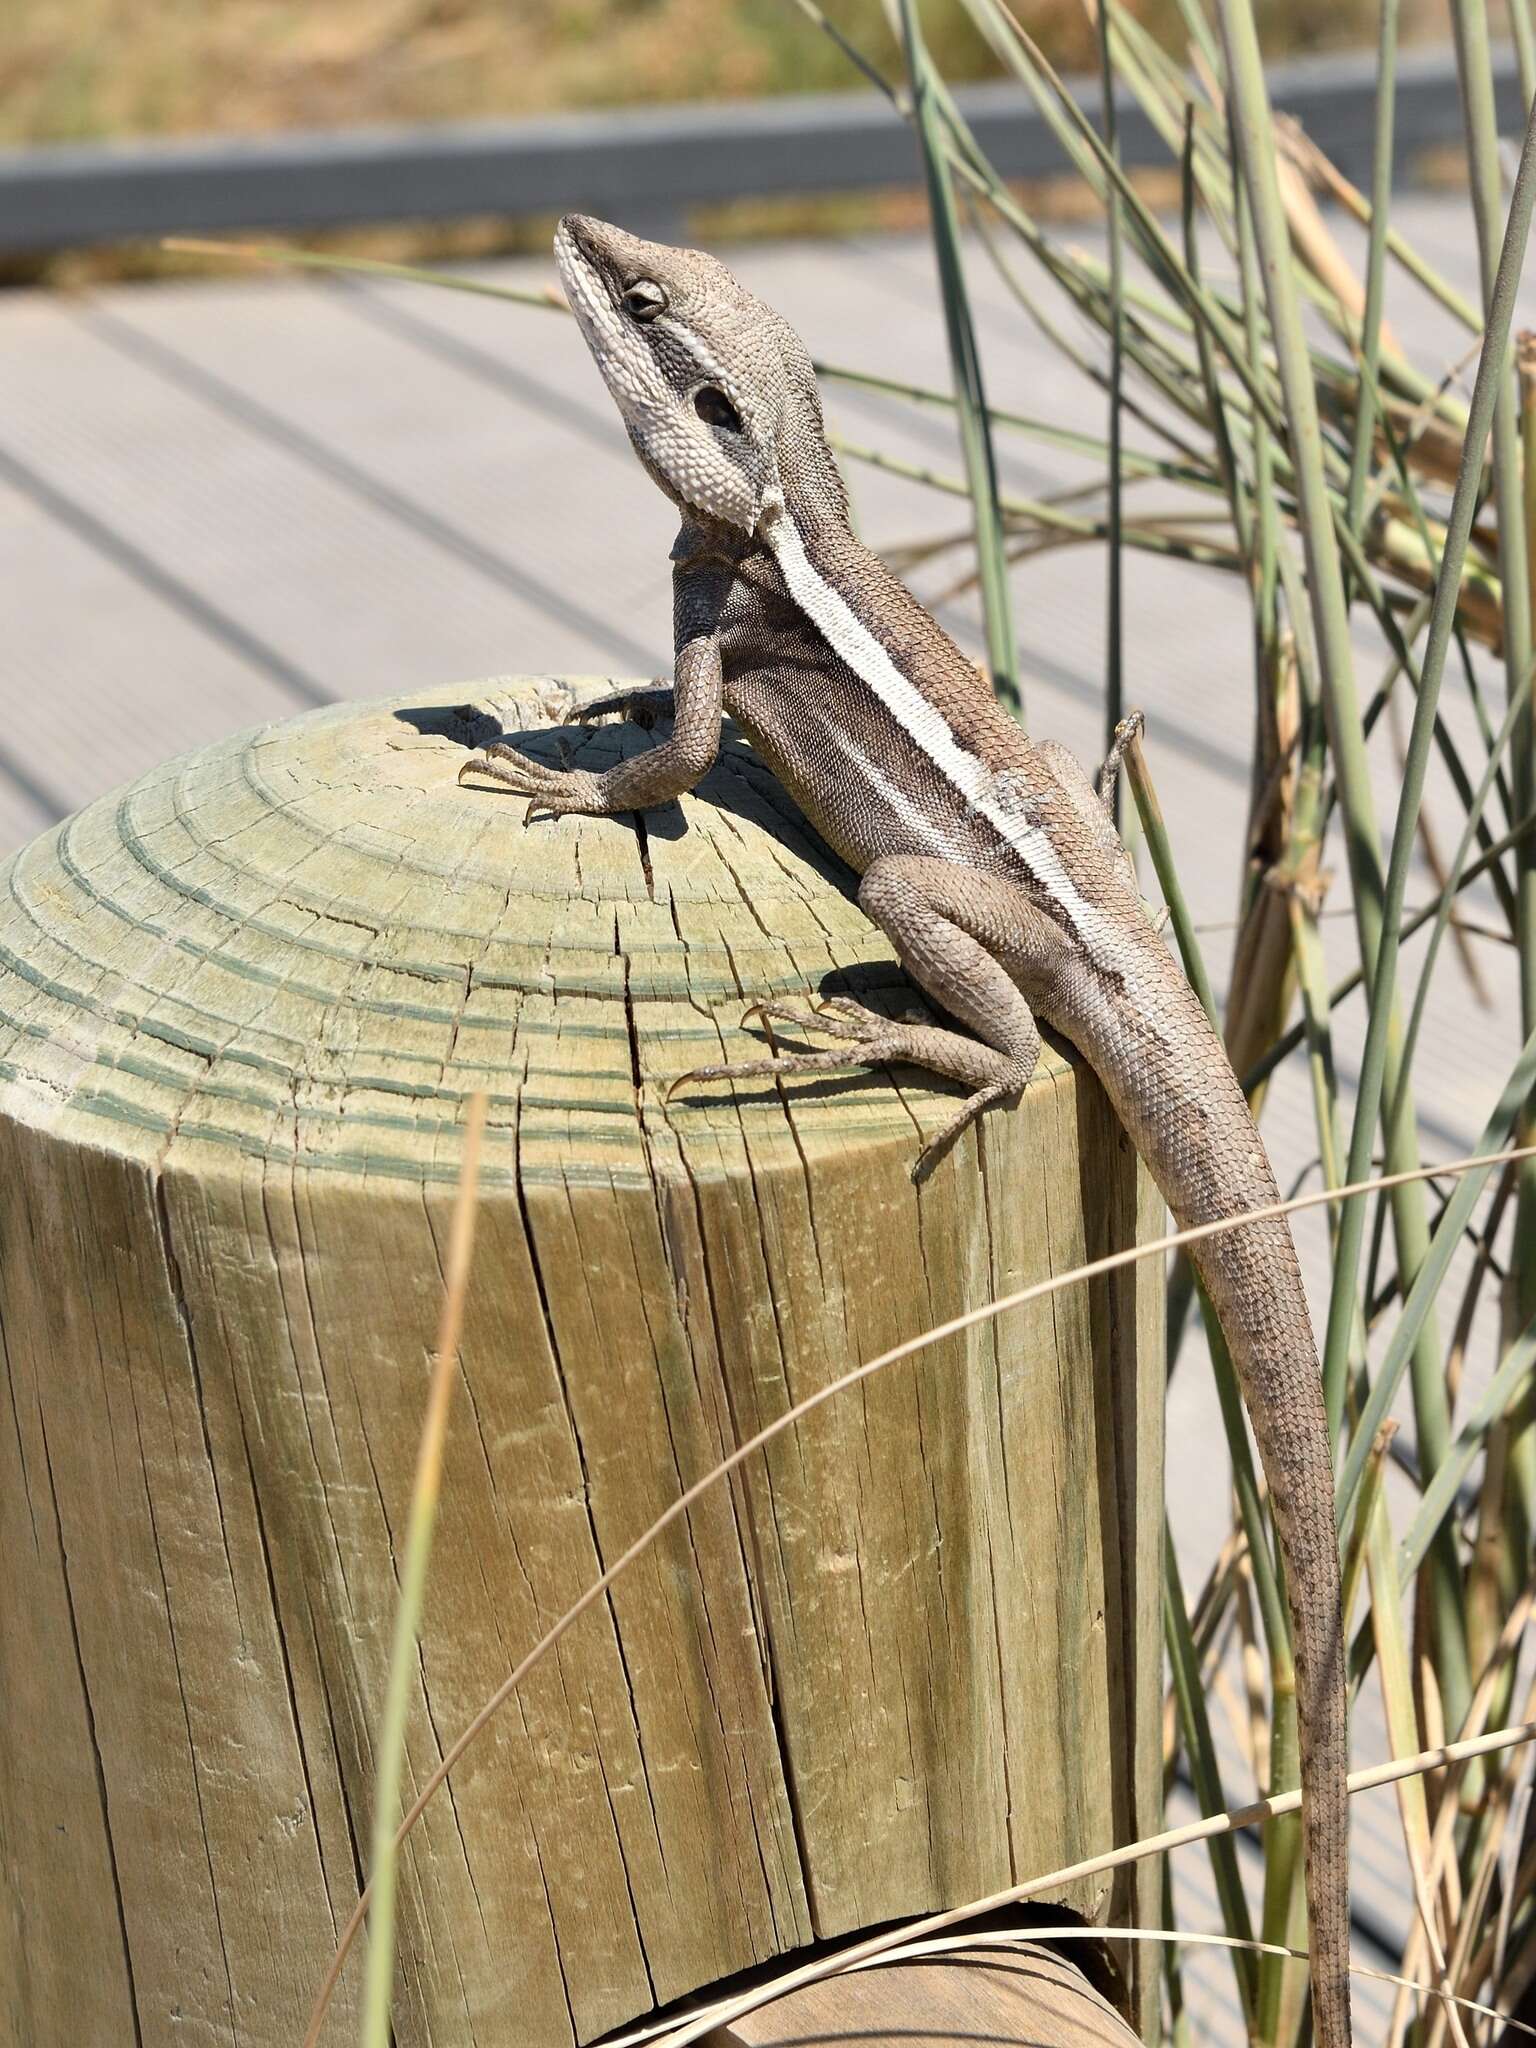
{"points": [[912, 1654]]}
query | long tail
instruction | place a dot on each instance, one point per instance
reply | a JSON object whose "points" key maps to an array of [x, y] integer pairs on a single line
{"points": [[1254, 1284], [1168, 1077]]}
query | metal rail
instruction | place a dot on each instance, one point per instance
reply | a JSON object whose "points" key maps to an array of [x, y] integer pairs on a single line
{"points": [[638, 164]]}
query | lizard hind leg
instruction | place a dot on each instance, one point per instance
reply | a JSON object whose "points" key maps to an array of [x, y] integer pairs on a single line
{"points": [[949, 926]]}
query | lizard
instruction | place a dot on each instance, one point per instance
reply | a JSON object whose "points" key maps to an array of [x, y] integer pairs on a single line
{"points": [[990, 861]]}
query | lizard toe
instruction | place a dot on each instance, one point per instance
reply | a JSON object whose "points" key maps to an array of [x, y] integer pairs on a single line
{"points": [[641, 708], [803, 1016], [780, 1063], [525, 764], [505, 764], [600, 707], [973, 1107], [551, 791], [572, 791], [849, 1017]]}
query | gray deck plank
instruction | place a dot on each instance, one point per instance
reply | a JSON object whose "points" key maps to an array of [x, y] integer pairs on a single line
{"points": [[221, 501]]}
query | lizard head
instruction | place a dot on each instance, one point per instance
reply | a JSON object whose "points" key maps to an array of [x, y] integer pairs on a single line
{"points": [[716, 391]]}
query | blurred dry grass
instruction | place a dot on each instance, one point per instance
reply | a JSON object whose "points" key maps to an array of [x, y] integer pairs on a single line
{"points": [[71, 70], [80, 70]]}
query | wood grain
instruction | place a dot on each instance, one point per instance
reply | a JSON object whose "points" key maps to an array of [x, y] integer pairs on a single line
{"points": [[910, 1654]]}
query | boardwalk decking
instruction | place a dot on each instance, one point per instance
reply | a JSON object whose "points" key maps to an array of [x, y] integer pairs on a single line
{"points": [[223, 502]]}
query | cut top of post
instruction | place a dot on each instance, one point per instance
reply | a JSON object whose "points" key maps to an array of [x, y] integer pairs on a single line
{"points": [[310, 939]]}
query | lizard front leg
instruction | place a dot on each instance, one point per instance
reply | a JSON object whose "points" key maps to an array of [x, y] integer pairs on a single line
{"points": [[641, 781], [963, 937]]}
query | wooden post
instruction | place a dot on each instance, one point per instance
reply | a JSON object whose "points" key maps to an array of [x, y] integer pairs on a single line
{"points": [[910, 1655]]}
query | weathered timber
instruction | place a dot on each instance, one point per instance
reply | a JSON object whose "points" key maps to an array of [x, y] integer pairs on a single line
{"points": [[910, 1655]]}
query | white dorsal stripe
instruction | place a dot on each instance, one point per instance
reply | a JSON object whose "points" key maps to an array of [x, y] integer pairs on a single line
{"points": [[845, 632], [923, 829]]}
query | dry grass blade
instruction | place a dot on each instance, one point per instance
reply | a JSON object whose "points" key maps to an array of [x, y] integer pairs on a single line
{"points": [[1320, 170], [965, 362], [1473, 1917], [278, 255], [1515, 1829], [660, 2031], [1392, 1664], [1441, 1864], [1263, 975], [1111, 1262], [1315, 244], [425, 1488]]}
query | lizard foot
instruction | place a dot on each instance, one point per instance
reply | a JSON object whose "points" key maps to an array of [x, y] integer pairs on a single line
{"points": [[867, 1039], [551, 790]]}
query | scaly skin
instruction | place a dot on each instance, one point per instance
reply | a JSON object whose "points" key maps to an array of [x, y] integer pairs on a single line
{"points": [[988, 859]]}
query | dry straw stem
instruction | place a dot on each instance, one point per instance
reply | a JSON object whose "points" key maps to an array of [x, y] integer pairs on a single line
{"points": [[1213, 1619], [1441, 1864], [1320, 170], [1322, 254], [1111, 1262], [425, 1490], [661, 2033], [279, 255], [1469, 1965], [1392, 1665]]}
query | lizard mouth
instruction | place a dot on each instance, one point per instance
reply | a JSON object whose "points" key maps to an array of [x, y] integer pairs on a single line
{"points": [[589, 259], [587, 290], [572, 237], [575, 259], [590, 274]]}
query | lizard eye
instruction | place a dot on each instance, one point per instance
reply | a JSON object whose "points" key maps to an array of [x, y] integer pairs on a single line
{"points": [[715, 409], [644, 299]]}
